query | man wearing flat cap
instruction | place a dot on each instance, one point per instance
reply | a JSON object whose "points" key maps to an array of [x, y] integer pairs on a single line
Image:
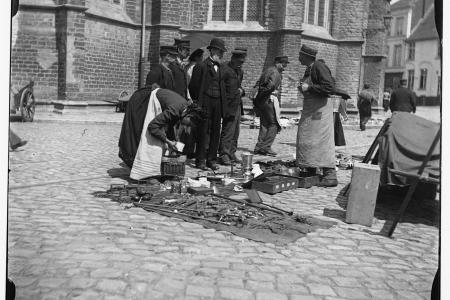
{"points": [[161, 75], [208, 90], [232, 76], [177, 67], [402, 99], [315, 137], [267, 102]]}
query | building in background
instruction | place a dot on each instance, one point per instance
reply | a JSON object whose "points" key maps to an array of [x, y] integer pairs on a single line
{"points": [[423, 60], [90, 49], [406, 16]]}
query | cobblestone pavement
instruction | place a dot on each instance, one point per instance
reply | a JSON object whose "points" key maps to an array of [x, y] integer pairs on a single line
{"points": [[65, 243]]}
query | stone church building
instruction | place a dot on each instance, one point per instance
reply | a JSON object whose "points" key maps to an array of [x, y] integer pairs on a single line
{"points": [[89, 50]]}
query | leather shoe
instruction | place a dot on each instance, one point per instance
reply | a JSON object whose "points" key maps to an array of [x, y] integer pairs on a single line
{"points": [[325, 182], [271, 153], [259, 152], [201, 165], [224, 160], [212, 165]]}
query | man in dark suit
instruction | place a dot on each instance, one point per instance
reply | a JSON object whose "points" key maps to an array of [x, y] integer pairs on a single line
{"points": [[208, 90], [232, 76], [177, 67], [269, 84], [402, 99], [160, 75]]}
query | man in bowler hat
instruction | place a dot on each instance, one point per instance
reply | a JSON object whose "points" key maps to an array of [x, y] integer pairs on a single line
{"points": [[402, 99], [232, 76], [208, 90], [161, 75], [269, 84], [177, 67]]}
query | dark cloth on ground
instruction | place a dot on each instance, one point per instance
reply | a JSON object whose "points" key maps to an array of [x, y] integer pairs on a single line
{"points": [[403, 99], [404, 145], [161, 77], [179, 79], [171, 104], [339, 138]]}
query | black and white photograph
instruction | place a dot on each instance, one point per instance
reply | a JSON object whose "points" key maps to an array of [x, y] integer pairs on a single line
{"points": [[223, 149]]}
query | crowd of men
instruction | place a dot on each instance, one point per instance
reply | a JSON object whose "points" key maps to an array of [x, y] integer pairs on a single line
{"points": [[199, 102]]}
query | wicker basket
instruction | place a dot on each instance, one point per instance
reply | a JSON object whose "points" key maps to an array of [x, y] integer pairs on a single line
{"points": [[173, 166]]}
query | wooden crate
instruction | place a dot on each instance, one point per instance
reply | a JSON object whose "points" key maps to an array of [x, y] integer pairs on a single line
{"points": [[363, 194], [275, 184]]}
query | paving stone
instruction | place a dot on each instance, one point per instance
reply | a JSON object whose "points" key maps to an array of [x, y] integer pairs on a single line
{"points": [[320, 289], [87, 295], [112, 286], [51, 282], [270, 296], [201, 291], [233, 293], [346, 281], [304, 297], [351, 293], [382, 294], [261, 276], [81, 283], [259, 285], [107, 273]]}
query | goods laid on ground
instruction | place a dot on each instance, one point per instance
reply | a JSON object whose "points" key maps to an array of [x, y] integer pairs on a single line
{"points": [[220, 207]]}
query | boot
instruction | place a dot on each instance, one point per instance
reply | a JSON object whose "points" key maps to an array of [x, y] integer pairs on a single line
{"points": [[329, 178], [224, 160]]}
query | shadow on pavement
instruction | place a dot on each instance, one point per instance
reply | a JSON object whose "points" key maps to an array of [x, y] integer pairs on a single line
{"points": [[423, 209]]}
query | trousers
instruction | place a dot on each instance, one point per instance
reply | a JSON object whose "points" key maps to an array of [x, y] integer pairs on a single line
{"points": [[209, 132], [268, 128], [230, 134]]}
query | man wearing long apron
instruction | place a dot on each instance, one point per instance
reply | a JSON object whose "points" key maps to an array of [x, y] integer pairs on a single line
{"points": [[315, 137]]}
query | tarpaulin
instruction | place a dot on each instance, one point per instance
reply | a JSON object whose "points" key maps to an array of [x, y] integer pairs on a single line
{"points": [[404, 145]]}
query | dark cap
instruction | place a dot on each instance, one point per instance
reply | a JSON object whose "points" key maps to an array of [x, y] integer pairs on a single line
{"points": [[164, 50], [182, 43], [366, 86], [197, 53], [239, 51], [403, 81], [218, 44], [308, 51], [281, 59]]}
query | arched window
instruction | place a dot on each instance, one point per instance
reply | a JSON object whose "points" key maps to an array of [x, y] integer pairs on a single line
{"points": [[317, 12], [235, 11]]}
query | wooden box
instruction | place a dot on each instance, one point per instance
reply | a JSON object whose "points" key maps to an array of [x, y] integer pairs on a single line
{"points": [[363, 194], [275, 184]]}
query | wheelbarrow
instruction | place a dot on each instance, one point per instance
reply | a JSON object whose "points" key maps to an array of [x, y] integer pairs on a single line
{"points": [[121, 101], [24, 103]]}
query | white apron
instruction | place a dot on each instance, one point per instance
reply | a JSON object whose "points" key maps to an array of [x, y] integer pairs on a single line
{"points": [[149, 153], [315, 137]]}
